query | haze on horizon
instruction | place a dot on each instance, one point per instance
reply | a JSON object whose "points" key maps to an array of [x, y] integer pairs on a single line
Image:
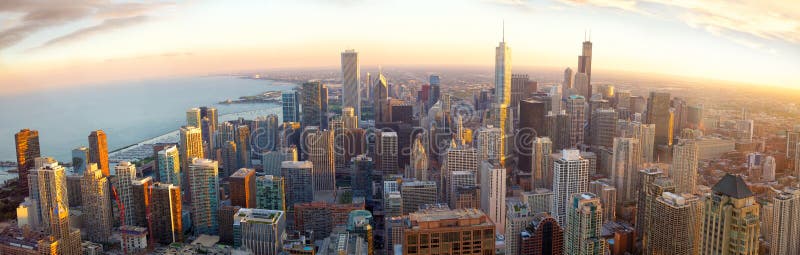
{"points": [[46, 44]]}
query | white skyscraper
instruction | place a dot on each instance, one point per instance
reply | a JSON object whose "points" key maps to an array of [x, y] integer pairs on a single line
{"points": [[786, 222], [351, 81], [204, 185], [502, 73], [126, 173], [571, 176], [625, 168], [493, 193], [684, 166]]}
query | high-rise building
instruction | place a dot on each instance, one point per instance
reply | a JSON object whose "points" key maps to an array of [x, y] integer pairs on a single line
{"points": [[320, 151], [230, 158], [321, 217], [191, 146], [518, 216], [603, 127], [584, 225], [260, 230], [502, 74], [349, 118], [169, 166], [27, 145], [204, 185], [80, 158], [243, 188], [459, 158], [580, 86], [571, 176], [98, 150], [417, 194], [315, 101], [566, 85], [351, 81], [270, 192], [674, 225], [785, 236], [542, 236], [624, 169], [652, 183], [493, 193], [605, 190], [387, 153], [290, 106], [96, 202], [489, 144], [531, 125], [457, 225], [243, 147], [539, 200], [142, 201], [52, 185], [166, 223], [298, 177], [225, 214], [684, 166], [558, 126], [126, 173], [381, 99], [463, 190], [419, 160], [541, 163], [658, 113], [576, 107], [359, 223], [645, 133], [193, 118], [585, 63], [209, 122], [519, 84], [435, 90], [730, 219]]}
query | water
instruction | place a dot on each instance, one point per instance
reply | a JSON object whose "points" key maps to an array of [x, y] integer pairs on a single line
{"points": [[128, 112]]}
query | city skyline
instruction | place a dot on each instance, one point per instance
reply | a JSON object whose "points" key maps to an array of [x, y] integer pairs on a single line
{"points": [[707, 39]]}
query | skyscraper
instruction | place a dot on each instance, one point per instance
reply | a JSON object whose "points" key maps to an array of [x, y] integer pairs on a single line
{"points": [[518, 216], [566, 85], [290, 105], [270, 192], [439, 221], [576, 107], [435, 90], [730, 219], [230, 158], [493, 193], [542, 236], [684, 166], [502, 73], [558, 129], [314, 103], [320, 151], [603, 127], [580, 85], [167, 218], [27, 145], [96, 202], [419, 160], [519, 82], [191, 145], [204, 185], [584, 225], [126, 173], [458, 158], [52, 184], [652, 183], [571, 176], [417, 194], [387, 153], [489, 144], [260, 230], [243, 188], [658, 113], [169, 166], [98, 150], [674, 225], [298, 177], [381, 99], [625, 167], [349, 118], [541, 163], [80, 158], [785, 237], [142, 201], [243, 141], [193, 118], [645, 133], [605, 190], [585, 63], [351, 81]]}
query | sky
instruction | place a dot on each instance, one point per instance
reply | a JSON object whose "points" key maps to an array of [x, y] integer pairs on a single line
{"points": [[63, 43]]}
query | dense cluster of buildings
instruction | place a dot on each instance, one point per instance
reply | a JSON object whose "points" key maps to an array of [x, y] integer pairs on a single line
{"points": [[573, 168]]}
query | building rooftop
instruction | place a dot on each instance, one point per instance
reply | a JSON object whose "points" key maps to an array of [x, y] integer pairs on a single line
{"points": [[257, 215], [242, 172], [447, 217], [297, 164], [732, 186]]}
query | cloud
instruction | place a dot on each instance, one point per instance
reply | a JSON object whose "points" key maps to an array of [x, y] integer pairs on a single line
{"points": [[743, 22], [105, 26], [33, 16]]}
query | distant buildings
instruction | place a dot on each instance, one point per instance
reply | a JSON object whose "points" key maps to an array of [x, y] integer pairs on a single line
{"points": [[351, 81], [98, 150], [169, 166], [315, 104], [684, 166], [80, 159], [785, 236], [204, 185], [126, 173], [493, 193], [290, 105], [96, 202], [502, 74], [658, 113]]}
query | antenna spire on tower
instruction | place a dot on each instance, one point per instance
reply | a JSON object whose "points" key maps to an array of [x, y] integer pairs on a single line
{"points": [[504, 30]]}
